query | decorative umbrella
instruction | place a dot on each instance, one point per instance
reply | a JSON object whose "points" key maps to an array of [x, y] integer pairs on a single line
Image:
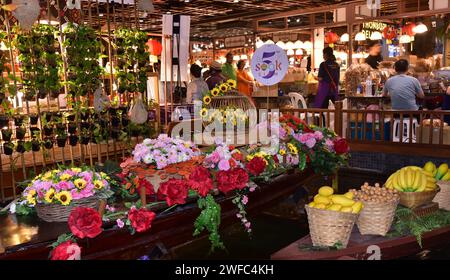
{"points": [[154, 47], [146, 5], [25, 11]]}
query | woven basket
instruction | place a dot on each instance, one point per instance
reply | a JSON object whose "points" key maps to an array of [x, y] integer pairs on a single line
{"points": [[443, 197], [376, 217], [60, 213], [415, 199], [328, 227]]}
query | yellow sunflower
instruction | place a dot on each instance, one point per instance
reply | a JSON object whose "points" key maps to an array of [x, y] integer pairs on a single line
{"points": [[64, 197], [204, 112], [232, 83], [282, 152], [65, 177], [31, 199], [49, 195], [292, 148], [47, 176], [215, 92], [207, 99], [223, 87], [98, 184], [76, 169], [80, 183]]}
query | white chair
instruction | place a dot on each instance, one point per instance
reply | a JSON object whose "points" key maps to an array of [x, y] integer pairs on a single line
{"points": [[295, 99], [406, 130]]}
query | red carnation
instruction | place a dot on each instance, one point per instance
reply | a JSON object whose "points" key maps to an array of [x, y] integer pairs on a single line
{"points": [[200, 180], [231, 180], [66, 250], [175, 191], [256, 166], [341, 146], [149, 189], [237, 156], [141, 219], [85, 222]]}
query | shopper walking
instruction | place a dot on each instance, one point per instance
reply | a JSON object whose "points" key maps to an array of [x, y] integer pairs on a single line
{"points": [[328, 80]]}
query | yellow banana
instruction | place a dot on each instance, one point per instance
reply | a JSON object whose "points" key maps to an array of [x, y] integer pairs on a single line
{"points": [[409, 173], [396, 183], [390, 181], [418, 176], [429, 174], [446, 176], [423, 183], [402, 178]]}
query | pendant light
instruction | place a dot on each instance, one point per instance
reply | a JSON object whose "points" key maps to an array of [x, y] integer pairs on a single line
{"points": [[269, 42], [298, 45], [281, 44], [405, 39], [420, 28], [307, 45], [290, 52], [289, 45], [360, 36], [345, 38]]}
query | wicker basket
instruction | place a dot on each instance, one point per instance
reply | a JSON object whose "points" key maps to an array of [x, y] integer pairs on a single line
{"points": [[443, 197], [376, 217], [60, 213], [328, 227], [415, 199]]}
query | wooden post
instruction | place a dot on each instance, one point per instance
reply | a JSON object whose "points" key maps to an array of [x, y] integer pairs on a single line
{"points": [[142, 194], [338, 118], [101, 207]]}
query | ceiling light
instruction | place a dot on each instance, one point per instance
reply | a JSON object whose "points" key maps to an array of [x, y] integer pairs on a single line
{"points": [[269, 42], [307, 45], [420, 28], [360, 36], [299, 52], [281, 44], [290, 52], [298, 20], [289, 45], [345, 38], [187, 1], [100, 15], [258, 43], [298, 45], [405, 39], [288, 20], [376, 36], [236, 57], [236, 1]]}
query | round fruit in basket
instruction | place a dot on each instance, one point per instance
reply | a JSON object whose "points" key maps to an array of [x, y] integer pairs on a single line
{"points": [[326, 199]]}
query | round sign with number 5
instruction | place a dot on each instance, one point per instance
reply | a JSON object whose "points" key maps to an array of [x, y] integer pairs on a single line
{"points": [[269, 64]]}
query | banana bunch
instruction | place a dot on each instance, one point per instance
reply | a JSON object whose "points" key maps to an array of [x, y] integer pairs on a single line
{"points": [[441, 173], [411, 179]]}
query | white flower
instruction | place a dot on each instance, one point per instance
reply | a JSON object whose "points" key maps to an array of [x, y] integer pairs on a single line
{"points": [[147, 142], [148, 159], [12, 208]]}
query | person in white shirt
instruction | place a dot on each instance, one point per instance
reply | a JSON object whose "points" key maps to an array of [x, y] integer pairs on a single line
{"points": [[197, 87]]}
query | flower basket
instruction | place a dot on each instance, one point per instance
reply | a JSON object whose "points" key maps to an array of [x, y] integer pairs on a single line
{"points": [[376, 217], [328, 227], [60, 213], [416, 199], [443, 197]]}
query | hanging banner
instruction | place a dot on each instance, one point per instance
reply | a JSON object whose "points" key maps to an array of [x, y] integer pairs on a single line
{"points": [[175, 43], [269, 64]]}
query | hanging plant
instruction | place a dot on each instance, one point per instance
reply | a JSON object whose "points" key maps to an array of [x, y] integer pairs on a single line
{"points": [[132, 60], [83, 50], [5, 86]]}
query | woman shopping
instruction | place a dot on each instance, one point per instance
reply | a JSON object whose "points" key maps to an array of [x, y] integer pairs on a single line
{"points": [[328, 80]]}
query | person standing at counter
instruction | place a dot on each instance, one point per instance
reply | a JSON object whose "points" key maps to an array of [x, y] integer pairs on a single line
{"points": [[197, 87], [215, 76], [228, 69], [244, 81], [403, 89], [328, 80], [374, 57]]}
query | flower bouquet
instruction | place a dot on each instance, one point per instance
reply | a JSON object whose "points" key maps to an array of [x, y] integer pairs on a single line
{"points": [[54, 193]]}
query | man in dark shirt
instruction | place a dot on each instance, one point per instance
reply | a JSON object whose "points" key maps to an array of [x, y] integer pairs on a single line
{"points": [[374, 57]]}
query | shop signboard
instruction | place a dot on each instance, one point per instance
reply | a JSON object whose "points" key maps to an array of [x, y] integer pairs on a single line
{"points": [[369, 27], [269, 64]]}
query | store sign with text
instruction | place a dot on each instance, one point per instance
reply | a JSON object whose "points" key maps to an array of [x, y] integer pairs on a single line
{"points": [[369, 27], [269, 64]]}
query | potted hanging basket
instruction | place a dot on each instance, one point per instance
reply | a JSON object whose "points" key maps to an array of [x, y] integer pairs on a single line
{"points": [[35, 146], [8, 148], [20, 133], [6, 134]]}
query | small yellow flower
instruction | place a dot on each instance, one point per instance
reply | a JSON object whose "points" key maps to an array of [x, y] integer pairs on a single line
{"points": [[223, 87], [207, 99], [98, 184], [250, 157], [80, 183], [47, 176], [76, 169], [31, 199], [203, 112], [282, 152], [65, 177], [292, 148], [215, 92], [64, 197], [49, 195], [231, 83]]}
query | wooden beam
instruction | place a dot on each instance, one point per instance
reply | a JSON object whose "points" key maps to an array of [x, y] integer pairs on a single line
{"points": [[440, 151]]}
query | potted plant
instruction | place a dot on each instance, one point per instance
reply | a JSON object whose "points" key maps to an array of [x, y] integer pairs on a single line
{"points": [[20, 147], [72, 128], [4, 121], [35, 145], [48, 130], [34, 119], [73, 140], [48, 116], [34, 131], [115, 133], [61, 139], [115, 121], [20, 133], [8, 148], [48, 143], [70, 117], [85, 138], [85, 125], [7, 134]]}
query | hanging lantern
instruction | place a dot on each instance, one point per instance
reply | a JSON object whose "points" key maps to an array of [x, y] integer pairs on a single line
{"points": [[389, 33], [154, 47], [409, 29], [331, 38], [360, 36], [299, 52]]}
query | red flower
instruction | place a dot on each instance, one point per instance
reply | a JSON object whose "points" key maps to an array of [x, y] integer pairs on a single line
{"points": [[231, 147], [256, 166], [232, 163], [85, 222], [237, 156], [149, 189], [341, 146], [200, 180], [67, 250], [231, 180], [297, 120], [175, 191], [275, 158], [141, 219]]}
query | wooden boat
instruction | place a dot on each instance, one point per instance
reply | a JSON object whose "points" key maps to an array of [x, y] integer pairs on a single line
{"points": [[367, 247], [29, 237]]}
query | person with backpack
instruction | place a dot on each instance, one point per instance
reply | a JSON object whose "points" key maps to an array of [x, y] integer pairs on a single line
{"points": [[329, 72]]}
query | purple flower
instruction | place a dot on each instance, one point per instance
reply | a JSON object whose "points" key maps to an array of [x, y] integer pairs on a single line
{"points": [[252, 189], [318, 135], [110, 208], [245, 199], [120, 223], [239, 216], [247, 225], [310, 143], [224, 165], [329, 144], [144, 258], [63, 185]]}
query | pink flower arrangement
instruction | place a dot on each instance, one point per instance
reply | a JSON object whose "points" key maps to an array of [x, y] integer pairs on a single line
{"points": [[163, 151], [223, 158]]}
